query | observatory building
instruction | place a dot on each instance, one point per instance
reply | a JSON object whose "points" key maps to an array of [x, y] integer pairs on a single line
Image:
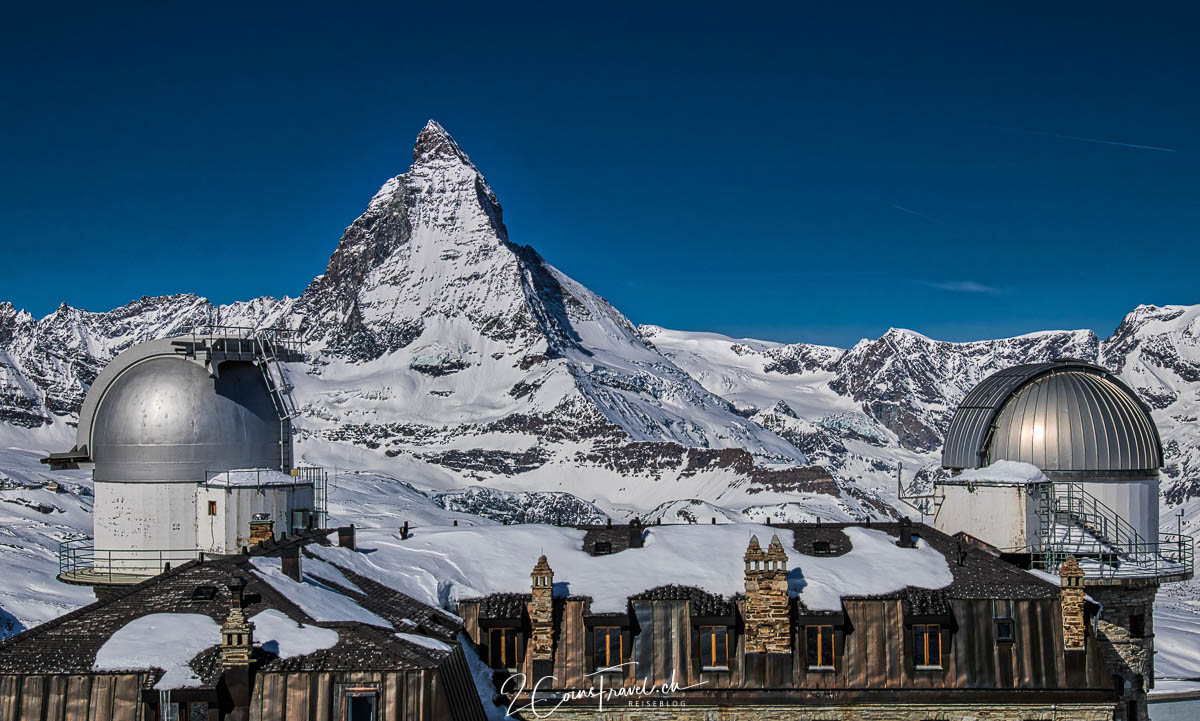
{"points": [[1055, 466], [190, 442]]}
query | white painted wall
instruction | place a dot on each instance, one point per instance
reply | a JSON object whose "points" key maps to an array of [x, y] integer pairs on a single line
{"points": [[1004, 516], [1135, 501], [139, 526], [228, 529]]}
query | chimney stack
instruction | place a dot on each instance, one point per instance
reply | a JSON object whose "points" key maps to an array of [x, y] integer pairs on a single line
{"points": [[1073, 619], [346, 537], [905, 533], [766, 609], [289, 558], [237, 634], [237, 648], [262, 528], [541, 612]]}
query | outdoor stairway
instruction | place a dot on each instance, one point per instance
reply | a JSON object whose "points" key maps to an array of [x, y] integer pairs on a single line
{"points": [[1075, 523]]}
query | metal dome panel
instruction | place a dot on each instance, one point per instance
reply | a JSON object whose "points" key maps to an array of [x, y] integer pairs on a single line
{"points": [[1061, 416], [169, 419]]}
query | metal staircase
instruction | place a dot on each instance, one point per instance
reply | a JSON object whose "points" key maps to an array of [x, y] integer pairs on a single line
{"points": [[1072, 522], [286, 408]]}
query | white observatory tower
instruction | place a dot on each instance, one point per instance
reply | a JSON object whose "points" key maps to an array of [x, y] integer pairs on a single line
{"points": [[1058, 462], [189, 438]]}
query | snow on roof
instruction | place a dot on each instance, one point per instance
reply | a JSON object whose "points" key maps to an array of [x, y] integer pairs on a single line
{"points": [[280, 635], [425, 641], [166, 641], [1004, 472], [320, 602], [252, 477], [441, 566], [329, 573]]}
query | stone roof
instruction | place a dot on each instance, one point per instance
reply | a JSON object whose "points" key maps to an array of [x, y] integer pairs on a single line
{"points": [[703, 603], [69, 643]]}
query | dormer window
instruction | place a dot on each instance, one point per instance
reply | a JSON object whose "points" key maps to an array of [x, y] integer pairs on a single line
{"points": [[819, 647], [927, 646], [1002, 619], [714, 648], [502, 648], [608, 647]]}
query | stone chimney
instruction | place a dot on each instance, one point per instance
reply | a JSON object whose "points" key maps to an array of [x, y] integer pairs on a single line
{"points": [[237, 633], [262, 528], [1074, 623], [234, 689], [766, 608], [541, 612], [346, 537]]}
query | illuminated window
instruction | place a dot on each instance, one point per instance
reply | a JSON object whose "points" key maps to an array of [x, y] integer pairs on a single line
{"points": [[503, 648], [608, 647], [714, 647], [212, 508], [819, 646], [927, 645]]}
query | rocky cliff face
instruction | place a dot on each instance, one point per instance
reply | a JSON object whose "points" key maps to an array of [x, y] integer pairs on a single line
{"points": [[446, 354]]}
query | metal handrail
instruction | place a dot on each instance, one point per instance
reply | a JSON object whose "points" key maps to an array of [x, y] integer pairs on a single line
{"points": [[1116, 548], [79, 557], [1173, 555]]}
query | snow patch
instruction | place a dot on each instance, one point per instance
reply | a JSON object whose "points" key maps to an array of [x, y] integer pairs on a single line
{"points": [[320, 602], [166, 641], [287, 638]]}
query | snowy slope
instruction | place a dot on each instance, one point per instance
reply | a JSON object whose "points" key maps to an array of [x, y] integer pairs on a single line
{"points": [[455, 374]]}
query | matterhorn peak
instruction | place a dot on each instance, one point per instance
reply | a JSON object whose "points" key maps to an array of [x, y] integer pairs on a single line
{"points": [[435, 144]]}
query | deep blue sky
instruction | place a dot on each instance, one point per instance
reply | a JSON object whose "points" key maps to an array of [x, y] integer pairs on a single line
{"points": [[791, 172]]}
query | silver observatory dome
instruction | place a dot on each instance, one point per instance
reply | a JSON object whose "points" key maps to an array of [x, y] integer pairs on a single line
{"points": [[1066, 417], [157, 414]]}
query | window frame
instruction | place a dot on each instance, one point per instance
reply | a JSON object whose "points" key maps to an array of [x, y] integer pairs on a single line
{"points": [[212, 508], [505, 632], [347, 692], [1002, 614], [920, 640], [820, 646], [610, 665], [725, 633]]}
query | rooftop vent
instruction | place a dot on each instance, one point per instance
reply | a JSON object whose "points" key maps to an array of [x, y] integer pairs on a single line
{"points": [[201, 594]]}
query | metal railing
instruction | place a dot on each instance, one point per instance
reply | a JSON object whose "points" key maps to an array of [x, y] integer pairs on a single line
{"points": [[316, 476], [1076, 523], [79, 560], [1173, 555], [268, 349]]}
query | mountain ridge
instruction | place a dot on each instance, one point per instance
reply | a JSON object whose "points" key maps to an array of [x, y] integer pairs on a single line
{"points": [[445, 353]]}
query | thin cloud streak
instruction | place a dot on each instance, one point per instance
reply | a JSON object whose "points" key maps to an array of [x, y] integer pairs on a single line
{"points": [[930, 218], [1077, 138], [962, 286]]}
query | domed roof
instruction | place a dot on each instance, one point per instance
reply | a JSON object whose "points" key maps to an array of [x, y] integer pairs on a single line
{"points": [[1059, 416], [167, 418]]}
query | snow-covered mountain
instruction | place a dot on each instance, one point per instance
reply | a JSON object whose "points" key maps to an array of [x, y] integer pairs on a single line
{"points": [[446, 355]]}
